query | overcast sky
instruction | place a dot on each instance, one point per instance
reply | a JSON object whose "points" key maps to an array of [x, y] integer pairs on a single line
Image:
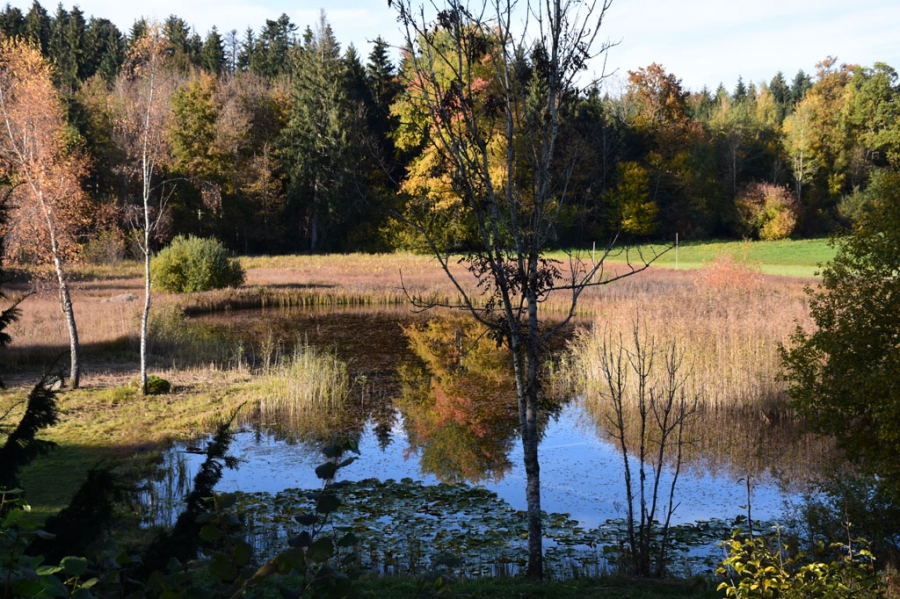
{"points": [[702, 42]]}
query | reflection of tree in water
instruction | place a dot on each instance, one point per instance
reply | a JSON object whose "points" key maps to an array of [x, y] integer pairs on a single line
{"points": [[737, 442], [460, 407]]}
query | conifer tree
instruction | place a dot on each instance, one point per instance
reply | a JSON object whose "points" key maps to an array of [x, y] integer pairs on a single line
{"points": [[212, 55], [36, 28], [317, 143]]}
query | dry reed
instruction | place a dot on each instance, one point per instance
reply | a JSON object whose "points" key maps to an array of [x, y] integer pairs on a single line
{"points": [[305, 382], [730, 332]]}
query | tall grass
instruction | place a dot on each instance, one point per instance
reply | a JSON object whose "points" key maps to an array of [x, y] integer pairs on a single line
{"points": [[728, 319], [303, 388]]}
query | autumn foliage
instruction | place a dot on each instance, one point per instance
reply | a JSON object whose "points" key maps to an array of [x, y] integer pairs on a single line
{"points": [[40, 158]]}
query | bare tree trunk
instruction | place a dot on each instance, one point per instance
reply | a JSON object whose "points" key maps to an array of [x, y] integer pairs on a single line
{"points": [[65, 301], [527, 384], [145, 316]]}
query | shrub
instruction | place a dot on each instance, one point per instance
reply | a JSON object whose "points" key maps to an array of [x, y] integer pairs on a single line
{"points": [[107, 247], [767, 211], [192, 264], [764, 568], [158, 386]]}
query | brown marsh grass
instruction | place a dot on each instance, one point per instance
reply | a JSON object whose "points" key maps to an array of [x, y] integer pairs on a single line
{"points": [[728, 318], [728, 321]]}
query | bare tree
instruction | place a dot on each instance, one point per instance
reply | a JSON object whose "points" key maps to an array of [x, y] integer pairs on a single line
{"points": [[647, 416], [486, 97], [143, 90], [48, 203]]}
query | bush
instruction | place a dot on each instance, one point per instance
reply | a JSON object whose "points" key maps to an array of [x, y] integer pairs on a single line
{"points": [[766, 568], [107, 247], [192, 264], [767, 211], [158, 386]]}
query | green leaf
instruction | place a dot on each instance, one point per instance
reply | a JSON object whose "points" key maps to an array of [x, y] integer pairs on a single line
{"points": [[347, 462], [321, 550], [226, 500], [211, 533], [27, 588], [332, 451], [307, 519], [327, 504], [82, 593], [326, 471], [53, 587], [348, 540], [74, 566]]}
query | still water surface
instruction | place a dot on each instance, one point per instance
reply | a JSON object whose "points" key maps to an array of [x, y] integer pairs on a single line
{"points": [[581, 471]]}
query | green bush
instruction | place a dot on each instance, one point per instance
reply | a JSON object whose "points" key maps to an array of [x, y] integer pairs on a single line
{"points": [[158, 386], [192, 264], [765, 568]]}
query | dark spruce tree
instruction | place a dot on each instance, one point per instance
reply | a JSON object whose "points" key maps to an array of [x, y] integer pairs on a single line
{"points": [[212, 55], [319, 145]]}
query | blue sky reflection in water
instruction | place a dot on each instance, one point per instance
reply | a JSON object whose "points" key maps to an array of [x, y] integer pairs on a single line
{"points": [[580, 474]]}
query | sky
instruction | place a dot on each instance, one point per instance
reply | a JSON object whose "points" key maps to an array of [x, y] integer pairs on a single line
{"points": [[702, 42]]}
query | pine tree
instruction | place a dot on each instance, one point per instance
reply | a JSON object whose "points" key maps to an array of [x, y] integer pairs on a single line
{"points": [[212, 56], [12, 21], [318, 142], [273, 48], [801, 84], [248, 51], [104, 50], [36, 28], [67, 47]]}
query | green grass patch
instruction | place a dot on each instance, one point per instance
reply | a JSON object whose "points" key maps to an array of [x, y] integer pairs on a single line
{"points": [[788, 257]]}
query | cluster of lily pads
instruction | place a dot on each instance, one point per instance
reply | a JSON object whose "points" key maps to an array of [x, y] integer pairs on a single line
{"points": [[409, 527]]}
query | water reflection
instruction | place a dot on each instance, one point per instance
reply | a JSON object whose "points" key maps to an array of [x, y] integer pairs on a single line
{"points": [[440, 385], [459, 404]]}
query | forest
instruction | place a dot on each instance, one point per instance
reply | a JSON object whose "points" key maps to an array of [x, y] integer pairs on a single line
{"points": [[278, 140]]}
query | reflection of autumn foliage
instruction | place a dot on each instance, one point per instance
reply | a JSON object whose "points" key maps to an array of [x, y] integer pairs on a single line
{"points": [[460, 409]]}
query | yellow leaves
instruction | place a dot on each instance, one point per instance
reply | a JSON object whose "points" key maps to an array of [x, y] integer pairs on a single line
{"points": [[637, 213], [39, 151]]}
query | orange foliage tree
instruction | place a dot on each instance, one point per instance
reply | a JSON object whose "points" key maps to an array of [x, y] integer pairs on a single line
{"points": [[40, 160]]}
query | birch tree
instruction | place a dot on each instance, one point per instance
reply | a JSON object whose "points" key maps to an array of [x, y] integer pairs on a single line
{"points": [[143, 90], [513, 187], [37, 156]]}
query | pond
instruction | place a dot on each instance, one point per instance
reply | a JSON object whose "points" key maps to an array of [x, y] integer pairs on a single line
{"points": [[403, 432], [431, 401]]}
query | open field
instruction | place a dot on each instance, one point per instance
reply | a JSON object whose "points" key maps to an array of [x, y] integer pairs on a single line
{"points": [[789, 257]]}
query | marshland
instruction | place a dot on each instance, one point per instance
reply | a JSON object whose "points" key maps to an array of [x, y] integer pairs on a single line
{"points": [[317, 349]]}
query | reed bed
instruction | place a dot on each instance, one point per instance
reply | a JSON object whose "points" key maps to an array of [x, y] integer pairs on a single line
{"points": [[728, 320], [307, 379]]}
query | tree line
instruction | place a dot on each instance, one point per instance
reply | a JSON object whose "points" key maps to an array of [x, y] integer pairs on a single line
{"points": [[278, 140]]}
